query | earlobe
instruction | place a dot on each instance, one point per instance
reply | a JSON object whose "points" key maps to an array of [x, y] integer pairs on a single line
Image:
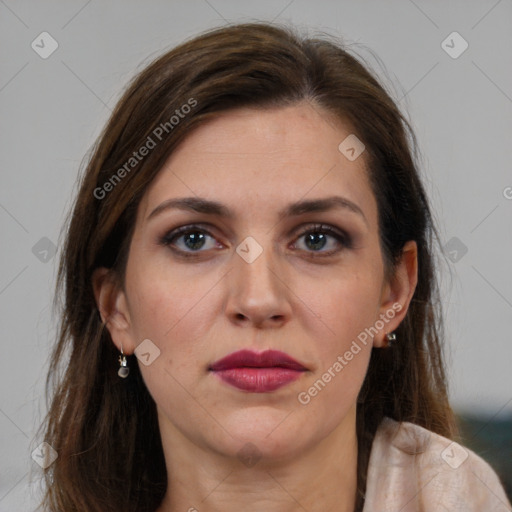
{"points": [[111, 303], [398, 292]]}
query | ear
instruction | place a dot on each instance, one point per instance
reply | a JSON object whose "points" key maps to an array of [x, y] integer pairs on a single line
{"points": [[397, 293], [113, 308]]}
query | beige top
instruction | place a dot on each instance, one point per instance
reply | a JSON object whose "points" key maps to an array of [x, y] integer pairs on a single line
{"points": [[414, 470]]}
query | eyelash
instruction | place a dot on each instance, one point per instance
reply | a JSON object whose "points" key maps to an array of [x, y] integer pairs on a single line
{"points": [[342, 238]]}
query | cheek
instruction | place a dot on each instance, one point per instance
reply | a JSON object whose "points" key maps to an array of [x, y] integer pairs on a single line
{"points": [[170, 308], [347, 308], [160, 296], [155, 307], [342, 307], [168, 313]]}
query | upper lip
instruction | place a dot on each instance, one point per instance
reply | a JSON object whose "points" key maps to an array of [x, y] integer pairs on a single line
{"points": [[248, 358]]}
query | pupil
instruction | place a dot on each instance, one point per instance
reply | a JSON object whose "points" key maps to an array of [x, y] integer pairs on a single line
{"points": [[197, 240], [320, 240]]}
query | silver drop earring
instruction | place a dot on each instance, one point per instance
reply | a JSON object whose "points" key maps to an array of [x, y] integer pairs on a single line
{"points": [[391, 337], [123, 368]]}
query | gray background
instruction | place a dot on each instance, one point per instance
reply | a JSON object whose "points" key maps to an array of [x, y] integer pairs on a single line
{"points": [[52, 109]]}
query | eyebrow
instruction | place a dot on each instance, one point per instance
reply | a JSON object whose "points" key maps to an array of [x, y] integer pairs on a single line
{"points": [[206, 206]]}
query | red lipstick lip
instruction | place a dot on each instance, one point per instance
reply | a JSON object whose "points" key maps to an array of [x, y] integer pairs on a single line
{"points": [[257, 372], [250, 359]]}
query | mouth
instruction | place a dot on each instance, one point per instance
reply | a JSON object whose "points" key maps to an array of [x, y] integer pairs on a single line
{"points": [[258, 372]]}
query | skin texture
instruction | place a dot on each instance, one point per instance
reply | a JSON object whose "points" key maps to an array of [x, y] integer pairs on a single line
{"points": [[290, 298]]}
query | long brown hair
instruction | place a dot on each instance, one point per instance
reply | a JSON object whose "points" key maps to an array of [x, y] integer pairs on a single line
{"points": [[105, 428]]}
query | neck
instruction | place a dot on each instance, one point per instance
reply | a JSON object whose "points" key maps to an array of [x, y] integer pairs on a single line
{"points": [[321, 478]]}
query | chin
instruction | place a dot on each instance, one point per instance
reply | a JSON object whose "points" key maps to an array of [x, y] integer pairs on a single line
{"points": [[271, 435]]}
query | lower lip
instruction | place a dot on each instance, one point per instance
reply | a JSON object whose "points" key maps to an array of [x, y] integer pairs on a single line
{"points": [[258, 380]]}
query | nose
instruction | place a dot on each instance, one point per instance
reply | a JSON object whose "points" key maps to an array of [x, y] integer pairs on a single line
{"points": [[259, 295]]}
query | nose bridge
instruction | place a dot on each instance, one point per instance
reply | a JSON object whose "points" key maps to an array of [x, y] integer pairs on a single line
{"points": [[254, 263], [257, 290]]}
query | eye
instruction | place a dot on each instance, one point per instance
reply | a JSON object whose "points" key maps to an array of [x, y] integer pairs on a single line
{"points": [[317, 237], [189, 240]]}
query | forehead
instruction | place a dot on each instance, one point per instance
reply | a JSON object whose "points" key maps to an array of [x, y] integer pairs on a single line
{"points": [[259, 160]]}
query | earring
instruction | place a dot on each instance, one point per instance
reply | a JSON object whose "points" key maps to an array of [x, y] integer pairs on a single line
{"points": [[123, 368], [391, 337]]}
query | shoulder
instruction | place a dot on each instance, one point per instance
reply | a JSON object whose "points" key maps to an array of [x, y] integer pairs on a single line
{"points": [[412, 469]]}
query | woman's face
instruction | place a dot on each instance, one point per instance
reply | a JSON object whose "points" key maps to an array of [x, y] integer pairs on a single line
{"points": [[256, 271]]}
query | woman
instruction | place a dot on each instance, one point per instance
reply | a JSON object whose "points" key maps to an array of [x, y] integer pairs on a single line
{"points": [[251, 313]]}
